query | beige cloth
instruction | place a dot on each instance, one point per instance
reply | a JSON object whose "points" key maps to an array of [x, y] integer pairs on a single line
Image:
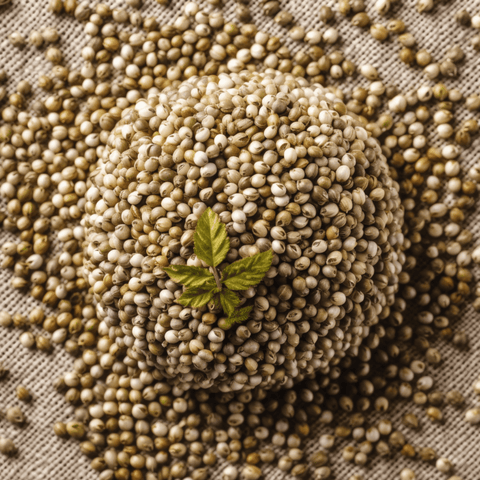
{"points": [[43, 456]]}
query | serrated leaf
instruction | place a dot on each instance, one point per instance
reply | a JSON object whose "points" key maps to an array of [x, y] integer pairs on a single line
{"points": [[247, 272], [239, 316], [210, 239], [197, 297], [190, 276], [229, 301]]}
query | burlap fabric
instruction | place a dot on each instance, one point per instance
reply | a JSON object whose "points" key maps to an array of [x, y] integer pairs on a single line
{"points": [[42, 455]]}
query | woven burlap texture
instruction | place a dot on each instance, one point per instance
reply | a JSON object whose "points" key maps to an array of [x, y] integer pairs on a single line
{"points": [[42, 455]]}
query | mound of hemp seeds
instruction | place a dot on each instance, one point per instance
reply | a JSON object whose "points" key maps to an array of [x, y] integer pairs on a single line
{"points": [[287, 168], [101, 163]]}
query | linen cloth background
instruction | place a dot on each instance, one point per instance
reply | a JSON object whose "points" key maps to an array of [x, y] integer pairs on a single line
{"points": [[44, 456]]}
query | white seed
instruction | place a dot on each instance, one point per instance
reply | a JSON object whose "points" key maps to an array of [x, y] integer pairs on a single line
{"points": [[342, 173], [476, 384], [200, 159], [60, 335], [473, 416], [424, 93], [330, 35], [382, 6], [34, 261], [445, 130], [239, 216], [442, 116], [282, 201], [372, 435], [398, 104], [27, 339], [278, 189], [369, 72], [444, 465], [313, 37], [209, 170], [476, 21], [432, 71], [385, 427], [237, 200], [230, 473], [450, 152], [327, 441], [407, 474]]}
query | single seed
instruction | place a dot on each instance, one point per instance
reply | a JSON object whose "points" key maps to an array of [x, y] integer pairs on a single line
{"points": [[23, 394], [7, 447]]}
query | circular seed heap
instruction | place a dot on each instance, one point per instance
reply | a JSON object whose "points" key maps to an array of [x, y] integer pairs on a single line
{"points": [[285, 166]]}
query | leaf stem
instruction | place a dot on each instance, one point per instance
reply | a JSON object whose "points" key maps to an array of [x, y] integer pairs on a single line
{"points": [[217, 278]]}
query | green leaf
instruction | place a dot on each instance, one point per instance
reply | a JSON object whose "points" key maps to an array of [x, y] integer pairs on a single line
{"points": [[190, 276], [210, 239], [239, 316], [197, 297], [229, 301], [247, 272]]}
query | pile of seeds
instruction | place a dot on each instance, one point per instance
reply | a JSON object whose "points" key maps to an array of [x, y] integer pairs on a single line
{"points": [[120, 171], [286, 167]]}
